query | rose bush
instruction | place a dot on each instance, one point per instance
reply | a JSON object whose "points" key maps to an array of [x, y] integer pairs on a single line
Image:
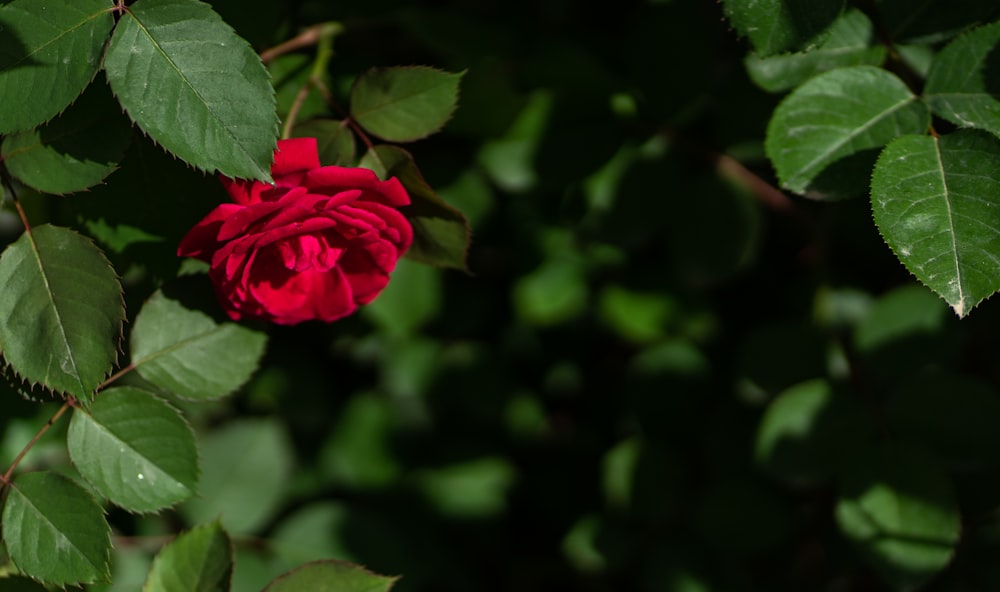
{"points": [[315, 245]]}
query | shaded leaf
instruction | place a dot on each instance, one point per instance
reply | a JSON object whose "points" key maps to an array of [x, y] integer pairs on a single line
{"points": [[55, 531], [838, 114], [897, 506], [199, 560], [49, 49], [931, 21], [187, 353], [781, 25], [441, 234], [61, 311], [173, 57], [245, 468], [62, 157], [927, 200], [135, 449], [329, 576], [849, 43], [334, 140], [404, 104], [964, 80]]}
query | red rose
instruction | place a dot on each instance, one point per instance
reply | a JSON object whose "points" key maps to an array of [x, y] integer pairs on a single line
{"points": [[317, 244]]}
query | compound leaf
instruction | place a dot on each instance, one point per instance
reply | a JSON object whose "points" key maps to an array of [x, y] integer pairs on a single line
{"points": [[61, 311], [196, 87], [930, 199]]}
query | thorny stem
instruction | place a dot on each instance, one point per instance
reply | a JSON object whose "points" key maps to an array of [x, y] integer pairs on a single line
{"points": [[5, 479], [311, 36]]}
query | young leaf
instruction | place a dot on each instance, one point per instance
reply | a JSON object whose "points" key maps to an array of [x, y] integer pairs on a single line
{"points": [[193, 85], [135, 449], [849, 43], [404, 104], [62, 157], [964, 79], [245, 467], [200, 560], [781, 25], [929, 202], [49, 51], [61, 311], [441, 234], [334, 140], [331, 575], [898, 508], [187, 353], [55, 532], [836, 115]]}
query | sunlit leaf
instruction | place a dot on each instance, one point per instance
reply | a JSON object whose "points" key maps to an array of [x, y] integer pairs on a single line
{"points": [[849, 43], [927, 199], [964, 81], [245, 468], [135, 449], [331, 575], [781, 25], [404, 104], [55, 531], [836, 115], [62, 156], [61, 311], [49, 51], [199, 560], [187, 353], [193, 85], [898, 508], [441, 234]]}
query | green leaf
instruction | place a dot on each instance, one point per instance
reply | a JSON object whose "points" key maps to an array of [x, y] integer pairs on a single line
{"points": [[49, 51], [849, 43], [964, 81], [441, 234], [187, 353], [331, 576], [199, 560], [929, 198], [334, 140], [55, 532], [404, 104], [193, 85], [781, 25], [839, 114], [135, 449], [897, 506], [62, 157], [802, 434], [61, 311], [245, 469]]}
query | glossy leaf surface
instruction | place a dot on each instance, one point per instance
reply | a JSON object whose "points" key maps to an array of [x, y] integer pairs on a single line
{"points": [[198, 89], [927, 200], [199, 560]]}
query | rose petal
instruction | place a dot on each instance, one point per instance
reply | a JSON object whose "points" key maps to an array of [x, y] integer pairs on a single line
{"points": [[203, 240], [330, 180]]}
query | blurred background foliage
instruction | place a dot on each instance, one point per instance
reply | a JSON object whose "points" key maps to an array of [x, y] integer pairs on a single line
{"points": [[661, 374]]}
